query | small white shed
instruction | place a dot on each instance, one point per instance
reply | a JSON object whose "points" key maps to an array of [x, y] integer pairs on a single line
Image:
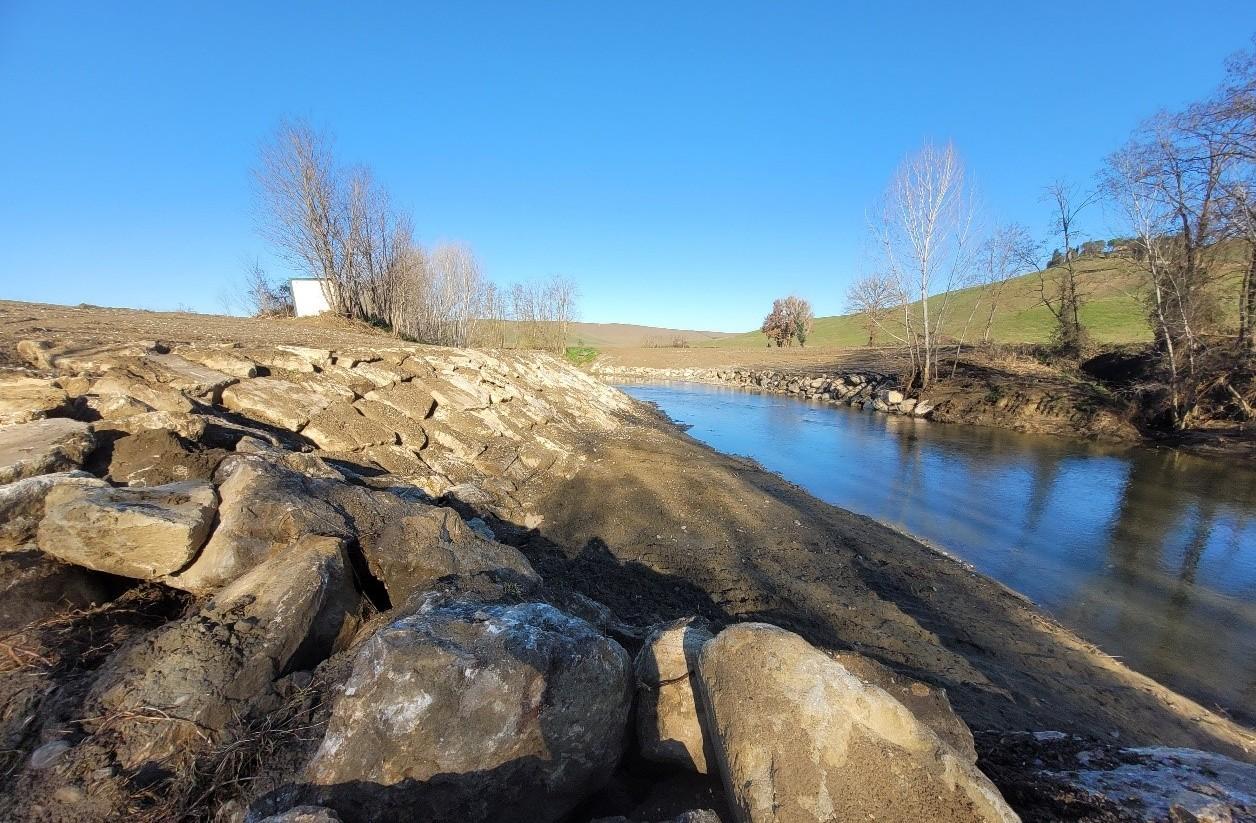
{"points": [[309, 296]]}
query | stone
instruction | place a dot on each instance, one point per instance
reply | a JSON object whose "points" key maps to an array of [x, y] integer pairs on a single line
{"points": [[923, 409], [893, 397], [408, 429], [929, 704], [475, 712], [153, 457], [189, 426], [23, 399], [281, 403], [316, 357], [433, 544], [267, 504], [412, 399], [223, 360], [185, 376], [115, 406], [47, 755], [22, 504], [34, 587], [908, 405], [457, 392], [304, 814], [122, 383], [341, 427], [799, 737], [145, 533], [56, 444], [186, 683], [669, 721], [380, 374]]}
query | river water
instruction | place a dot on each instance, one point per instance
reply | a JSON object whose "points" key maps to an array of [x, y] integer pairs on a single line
{"points": [[1150, 554]]}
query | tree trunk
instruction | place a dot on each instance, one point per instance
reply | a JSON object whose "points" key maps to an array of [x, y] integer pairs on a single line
{"points": [[1247, 306]]}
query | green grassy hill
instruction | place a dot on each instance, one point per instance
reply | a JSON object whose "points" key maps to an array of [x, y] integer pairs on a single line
{"points": [[1114, 312]]}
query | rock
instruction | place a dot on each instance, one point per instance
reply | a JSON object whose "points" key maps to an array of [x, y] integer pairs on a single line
{"points": [[923, 409], [120, 383], [798, 737], [223, 360], [47, 755], [908, 405], [1165, 783], [428, 545], [22, 504], [115, 406], [34, 587], [281, 403], [669, 722], [466, 711], [929, 705], [316, 357], [143, 532], [182, 687], [185, 376], [412, 399], [893, 397], [304, 814], [56, 444], [341, 427], [153, 457], [406, 427], [189, 426], [483, 529], [23, 399]]}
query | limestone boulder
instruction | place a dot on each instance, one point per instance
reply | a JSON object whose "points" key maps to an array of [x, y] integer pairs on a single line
{"points": [[341, 427], [22, 504], [24, 398], [226, 361], [473, 712], [411, 399], [185, 376], [408, 429], [146, 533], [799, 737], [56, 444], [120, 385], [432, 544], [283, 403], [929, 704], [669, 721], [183, 686]]}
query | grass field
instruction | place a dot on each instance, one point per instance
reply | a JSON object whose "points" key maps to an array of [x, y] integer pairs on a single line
{"points": [[1114, 312]]}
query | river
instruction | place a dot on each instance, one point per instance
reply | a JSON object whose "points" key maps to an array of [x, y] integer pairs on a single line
{"points": [[1148, 553]]}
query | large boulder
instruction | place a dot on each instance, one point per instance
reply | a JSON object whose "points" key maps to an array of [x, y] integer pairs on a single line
{"points": [[22, 504], [798, 737], [431, 544], [669, 721], [283, 403], [183, 686], [473, 712], [341, 427], [24, 398], [56, 444], [145, 533]]}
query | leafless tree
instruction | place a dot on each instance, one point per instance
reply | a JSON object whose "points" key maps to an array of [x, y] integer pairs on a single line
{"points": [[924, 232], [263, 297], [873, 297], [543, 312], [1060, 289], [1008, 252]]}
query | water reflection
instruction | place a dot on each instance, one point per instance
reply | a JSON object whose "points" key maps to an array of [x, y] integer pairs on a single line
{"points": [[1151, 554]]}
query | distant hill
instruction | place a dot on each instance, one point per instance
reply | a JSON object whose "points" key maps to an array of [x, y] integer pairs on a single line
{"points": [[627, 335], [1114, 311]]}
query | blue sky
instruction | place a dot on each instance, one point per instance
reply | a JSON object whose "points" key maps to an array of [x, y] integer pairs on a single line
{"points": [[683, 162]]}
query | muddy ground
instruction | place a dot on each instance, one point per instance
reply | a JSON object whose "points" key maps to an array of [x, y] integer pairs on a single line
{"points": [[657, 526]]}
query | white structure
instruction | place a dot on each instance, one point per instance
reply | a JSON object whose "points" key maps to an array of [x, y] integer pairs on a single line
{"points": [[308, 296]]}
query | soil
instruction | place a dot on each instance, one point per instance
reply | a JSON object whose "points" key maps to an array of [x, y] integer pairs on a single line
{"points": [[658, 526]]}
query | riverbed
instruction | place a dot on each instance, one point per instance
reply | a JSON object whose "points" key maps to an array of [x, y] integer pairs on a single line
{"points": [[1150, 554]]}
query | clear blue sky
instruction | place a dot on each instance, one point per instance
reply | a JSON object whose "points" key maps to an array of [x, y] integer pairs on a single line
{"points": [[684, 162]]}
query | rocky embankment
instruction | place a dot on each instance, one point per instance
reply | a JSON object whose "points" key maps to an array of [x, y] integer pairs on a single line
{"points": [[973, 396], [276, 583]]}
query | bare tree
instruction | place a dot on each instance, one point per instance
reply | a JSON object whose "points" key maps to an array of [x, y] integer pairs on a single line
{"points": [[1007, 253], [873, 297], [561, 297], [924, 231], [1059, 287], [263, 297]]}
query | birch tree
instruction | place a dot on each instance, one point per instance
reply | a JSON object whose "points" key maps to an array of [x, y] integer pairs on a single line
{"points": [[923, 232]]}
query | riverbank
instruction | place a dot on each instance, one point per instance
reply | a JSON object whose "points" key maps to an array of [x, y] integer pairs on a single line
{"points": [[316, 501]]}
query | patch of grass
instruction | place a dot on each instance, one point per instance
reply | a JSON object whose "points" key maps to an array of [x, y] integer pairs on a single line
{"points": [[580, 355], [1114, 311]]}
